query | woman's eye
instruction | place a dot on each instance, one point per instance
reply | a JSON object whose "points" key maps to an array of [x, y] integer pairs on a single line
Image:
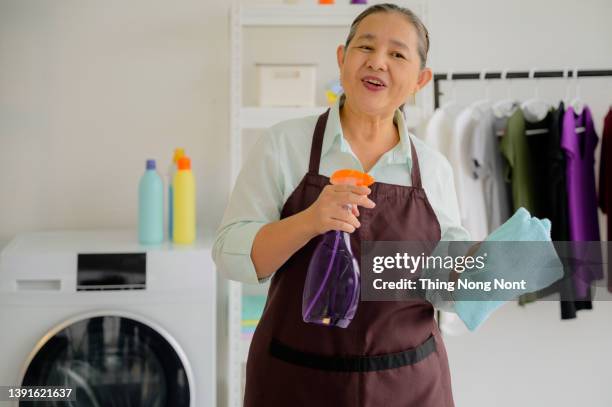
{"points": [[398, 55], [366, 47]]}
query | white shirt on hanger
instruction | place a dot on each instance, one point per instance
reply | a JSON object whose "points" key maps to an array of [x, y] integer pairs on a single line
{"points": [[488, 165], [469, 189], [439, 132], [450, 131]]}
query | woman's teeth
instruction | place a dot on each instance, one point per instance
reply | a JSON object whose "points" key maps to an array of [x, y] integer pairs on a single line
{"points": [[374, 82]]}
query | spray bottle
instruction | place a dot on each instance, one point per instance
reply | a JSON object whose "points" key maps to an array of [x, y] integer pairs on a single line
{"points": [[332, 286]]}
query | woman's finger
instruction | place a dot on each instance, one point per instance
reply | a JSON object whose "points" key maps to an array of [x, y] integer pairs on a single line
{"points": [[348, 197], [341, 226], [347, 217]]}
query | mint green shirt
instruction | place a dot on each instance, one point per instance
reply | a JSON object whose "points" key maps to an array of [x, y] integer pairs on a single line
{"points": [[277, 163]]}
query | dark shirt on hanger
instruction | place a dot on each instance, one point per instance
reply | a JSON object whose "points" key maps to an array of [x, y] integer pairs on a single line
{"points": [[547, 159], [605, 178], [538, 135], [556, 191]]}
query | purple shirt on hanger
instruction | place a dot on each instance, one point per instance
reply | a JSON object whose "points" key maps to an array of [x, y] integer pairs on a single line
{"points": [[579, 148]]}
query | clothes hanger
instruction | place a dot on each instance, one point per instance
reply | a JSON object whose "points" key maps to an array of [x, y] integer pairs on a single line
{"points": [[507, 106], [483, 103], [566, 98], [579, 106], [577, 103], [535, 108], [453, 92]]}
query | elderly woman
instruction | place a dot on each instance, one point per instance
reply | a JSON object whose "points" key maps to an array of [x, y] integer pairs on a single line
{"points": [[392, 353]]}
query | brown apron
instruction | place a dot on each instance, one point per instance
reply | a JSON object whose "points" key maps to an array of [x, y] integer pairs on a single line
{"points": [[391, 354]]}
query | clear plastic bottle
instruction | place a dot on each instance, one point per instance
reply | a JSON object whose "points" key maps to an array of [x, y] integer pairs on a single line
{"points": [[150, 206]]}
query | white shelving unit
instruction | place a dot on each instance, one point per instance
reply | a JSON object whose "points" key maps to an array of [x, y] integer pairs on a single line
{"points": [[246, 117]]}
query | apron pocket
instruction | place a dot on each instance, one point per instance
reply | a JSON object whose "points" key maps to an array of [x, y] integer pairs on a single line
{"points": [[352, 363]]}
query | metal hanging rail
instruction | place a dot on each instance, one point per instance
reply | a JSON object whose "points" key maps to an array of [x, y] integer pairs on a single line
{"points": [[512, 75]]}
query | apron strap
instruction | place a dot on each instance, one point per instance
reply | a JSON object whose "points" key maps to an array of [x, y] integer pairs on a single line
{"points": [[416, 170], [317, 143]]}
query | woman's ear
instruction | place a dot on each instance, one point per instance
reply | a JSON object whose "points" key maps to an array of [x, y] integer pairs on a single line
{"points": [[340, 56], [424, 77]]}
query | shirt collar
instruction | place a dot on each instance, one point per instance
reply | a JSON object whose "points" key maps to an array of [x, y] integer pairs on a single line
{"points": [[400, 154]]}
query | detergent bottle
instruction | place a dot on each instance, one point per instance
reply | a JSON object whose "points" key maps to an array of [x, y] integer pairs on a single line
{"points": [[332, 286], [150, 206], [178, 153], [184, 212]]}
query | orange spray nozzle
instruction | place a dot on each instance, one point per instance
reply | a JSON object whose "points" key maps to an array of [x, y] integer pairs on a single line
{"points": [[351, 177], [184, 163]]}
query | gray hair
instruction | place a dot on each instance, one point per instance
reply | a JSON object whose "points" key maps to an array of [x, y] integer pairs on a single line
{"points": [[423, 34]]}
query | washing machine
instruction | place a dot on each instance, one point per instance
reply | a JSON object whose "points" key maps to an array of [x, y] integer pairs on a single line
{"points": [[119, 323]]}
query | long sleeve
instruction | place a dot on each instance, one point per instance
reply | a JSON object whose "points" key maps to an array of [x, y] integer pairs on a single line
{"points": [[449, 214], [255, 201], [451, 229]]}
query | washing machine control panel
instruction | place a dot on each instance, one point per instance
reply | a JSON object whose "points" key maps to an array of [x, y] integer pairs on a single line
{"points": [[111, 271]]}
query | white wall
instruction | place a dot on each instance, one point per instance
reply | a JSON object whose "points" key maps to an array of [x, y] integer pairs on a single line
{"points": [[89, 90]]}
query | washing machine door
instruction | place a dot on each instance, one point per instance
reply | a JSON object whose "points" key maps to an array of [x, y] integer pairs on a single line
{"points": [[110, 361]]}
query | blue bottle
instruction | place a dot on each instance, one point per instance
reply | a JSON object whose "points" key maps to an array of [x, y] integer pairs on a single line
{"points": [[151, 206]]}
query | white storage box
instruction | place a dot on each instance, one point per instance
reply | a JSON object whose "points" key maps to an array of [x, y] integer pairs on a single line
{"points": [[286, 84]]}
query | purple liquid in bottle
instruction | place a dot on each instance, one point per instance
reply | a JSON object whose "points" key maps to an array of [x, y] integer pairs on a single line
{"points": [[331, 290]]}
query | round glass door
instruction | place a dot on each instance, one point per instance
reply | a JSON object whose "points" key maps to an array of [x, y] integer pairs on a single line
{"points": [[110, 361]]}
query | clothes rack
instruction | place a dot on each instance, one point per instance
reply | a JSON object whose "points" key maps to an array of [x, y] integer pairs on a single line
{"points": [[512, 75], [533, 74]]}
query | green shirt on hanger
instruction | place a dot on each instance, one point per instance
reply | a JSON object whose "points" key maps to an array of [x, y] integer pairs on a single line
{"points": [[519, 170]]}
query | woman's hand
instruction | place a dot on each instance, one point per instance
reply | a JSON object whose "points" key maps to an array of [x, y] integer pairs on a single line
{"points": [[331, 209], [454, 275]]}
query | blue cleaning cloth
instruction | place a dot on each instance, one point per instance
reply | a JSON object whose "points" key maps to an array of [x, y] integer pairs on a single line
{"points": [[514, 260]]}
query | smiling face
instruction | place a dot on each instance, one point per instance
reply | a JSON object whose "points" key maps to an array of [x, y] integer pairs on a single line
{"points": [[381, 67]]}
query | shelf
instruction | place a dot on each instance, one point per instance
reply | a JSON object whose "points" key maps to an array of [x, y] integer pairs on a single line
{"points": [[264, 117], [283, 15]]}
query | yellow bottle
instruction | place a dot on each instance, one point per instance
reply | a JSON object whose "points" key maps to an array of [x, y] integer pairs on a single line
{"points": [[184, 213]]}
